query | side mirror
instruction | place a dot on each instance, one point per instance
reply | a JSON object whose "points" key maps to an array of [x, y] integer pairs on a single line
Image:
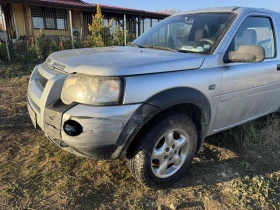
{"points": [[247, 54]]}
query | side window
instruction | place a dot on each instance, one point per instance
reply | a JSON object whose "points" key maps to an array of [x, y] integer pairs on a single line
{"points": [[256, 31]]}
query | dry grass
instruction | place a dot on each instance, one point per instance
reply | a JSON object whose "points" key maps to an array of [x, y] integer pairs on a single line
{"points": [[237, 169]]}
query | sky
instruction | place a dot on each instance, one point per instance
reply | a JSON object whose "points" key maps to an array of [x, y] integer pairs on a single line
{"points": [[184, 5]]}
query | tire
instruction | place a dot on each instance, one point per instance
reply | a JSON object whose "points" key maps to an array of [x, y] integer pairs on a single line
{"points": [[148, 164]]}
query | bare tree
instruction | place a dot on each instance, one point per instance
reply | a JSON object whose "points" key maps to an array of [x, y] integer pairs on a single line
{"points": [[169, 11]]}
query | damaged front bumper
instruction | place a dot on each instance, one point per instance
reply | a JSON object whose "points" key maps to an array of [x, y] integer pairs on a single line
{"points": [[101, 127]]}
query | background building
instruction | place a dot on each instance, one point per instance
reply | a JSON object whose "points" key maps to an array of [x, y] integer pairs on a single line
{"points": [[25, 18]]}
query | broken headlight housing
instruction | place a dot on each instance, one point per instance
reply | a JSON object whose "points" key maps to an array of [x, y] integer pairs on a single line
{"points": [[92, 90]]}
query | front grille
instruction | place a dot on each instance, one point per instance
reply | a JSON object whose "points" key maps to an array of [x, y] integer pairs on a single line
{"points": [[43, 81]]}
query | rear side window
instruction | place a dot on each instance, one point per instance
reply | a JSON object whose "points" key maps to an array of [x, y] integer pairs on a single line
{"points": [[256, 31]]}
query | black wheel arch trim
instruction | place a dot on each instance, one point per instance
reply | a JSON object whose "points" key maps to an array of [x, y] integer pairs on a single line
{"points": [[182, 95], [158, 103]]}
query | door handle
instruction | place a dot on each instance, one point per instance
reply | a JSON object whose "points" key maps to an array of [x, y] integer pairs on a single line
{"points": [[278, 67]]}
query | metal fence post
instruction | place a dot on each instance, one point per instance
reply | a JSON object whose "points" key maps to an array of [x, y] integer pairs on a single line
{"points": [[5, 31], [71, 28], [124, 20]]}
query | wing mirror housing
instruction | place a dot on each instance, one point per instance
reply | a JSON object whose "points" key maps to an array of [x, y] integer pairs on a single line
{"points": [[246, 54]]}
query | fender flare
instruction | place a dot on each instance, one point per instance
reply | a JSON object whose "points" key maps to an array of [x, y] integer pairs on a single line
{"points": [[182, 95], [158, 103]]}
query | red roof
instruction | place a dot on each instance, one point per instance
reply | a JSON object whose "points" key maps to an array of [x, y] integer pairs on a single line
{"points": [[127, 9], [66, 2], [60, 3], [80, 4], [114, 7]]}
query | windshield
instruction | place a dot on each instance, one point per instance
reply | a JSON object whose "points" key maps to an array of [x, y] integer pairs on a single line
{"points": [[197, 33]]}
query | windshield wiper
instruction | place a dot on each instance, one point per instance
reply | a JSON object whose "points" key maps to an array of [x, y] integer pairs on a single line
{"points": [[190, 51], [134, 45], [151, 46]]}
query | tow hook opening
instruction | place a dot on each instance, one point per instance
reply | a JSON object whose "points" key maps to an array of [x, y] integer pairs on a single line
{"points": [[63, 144], [72, 128]]}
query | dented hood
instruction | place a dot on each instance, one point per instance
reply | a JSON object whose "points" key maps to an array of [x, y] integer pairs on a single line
{"points": [[121, 61]]}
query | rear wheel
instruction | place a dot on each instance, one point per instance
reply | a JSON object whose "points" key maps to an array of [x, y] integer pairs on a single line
{"points": [[166, 151]]}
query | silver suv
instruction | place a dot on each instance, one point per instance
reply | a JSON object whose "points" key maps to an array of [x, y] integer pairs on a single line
{"points": [[154, 101]]}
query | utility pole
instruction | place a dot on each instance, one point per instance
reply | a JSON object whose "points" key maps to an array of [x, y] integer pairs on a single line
{"points": [[71, 28], [2, 20], [124, 19]]}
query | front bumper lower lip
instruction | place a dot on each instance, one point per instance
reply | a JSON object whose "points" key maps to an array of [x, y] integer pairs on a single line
{"points": [[104, 152]]}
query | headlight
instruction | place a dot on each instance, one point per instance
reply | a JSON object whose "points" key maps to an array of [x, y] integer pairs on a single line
{"points": [[91, 90]]}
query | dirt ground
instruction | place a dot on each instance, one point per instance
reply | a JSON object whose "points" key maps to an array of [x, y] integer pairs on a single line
{"points": [[237, 169]]}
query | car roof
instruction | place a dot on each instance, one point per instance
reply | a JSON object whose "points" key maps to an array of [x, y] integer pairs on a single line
{"points": [[236, 9]]}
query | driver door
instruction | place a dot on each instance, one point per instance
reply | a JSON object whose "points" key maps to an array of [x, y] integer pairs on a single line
{"points": [[249, 90]]}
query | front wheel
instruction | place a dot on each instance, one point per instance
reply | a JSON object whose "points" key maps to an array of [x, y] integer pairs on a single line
{"points": [[167, 148]]}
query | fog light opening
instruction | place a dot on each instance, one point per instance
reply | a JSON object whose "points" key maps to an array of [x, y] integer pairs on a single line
{"points": [[72, 128]]}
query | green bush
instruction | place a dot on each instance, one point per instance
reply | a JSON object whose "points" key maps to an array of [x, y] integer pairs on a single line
{"points": [[17, 49], [118, 35], [54, 46], [66, 44], [21, 51], [42, 46], [29, 55], [101, 35], [3, 52], [78, 43]]}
